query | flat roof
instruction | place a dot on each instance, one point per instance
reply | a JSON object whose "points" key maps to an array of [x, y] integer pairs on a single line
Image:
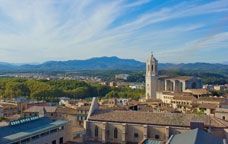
{"points": [[12, 133]]}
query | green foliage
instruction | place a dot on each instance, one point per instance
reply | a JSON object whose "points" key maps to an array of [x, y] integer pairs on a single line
{"points": [[125, 92], [3, 119], [136, 77], [11, 88], [50, 90]]}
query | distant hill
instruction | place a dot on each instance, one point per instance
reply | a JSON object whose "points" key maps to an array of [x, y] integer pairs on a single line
{"points": [[7, 66], [101, 63], [110, 63], [200, 67]]}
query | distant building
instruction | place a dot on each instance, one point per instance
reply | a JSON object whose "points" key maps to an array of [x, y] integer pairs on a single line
{"points": [[207, 108], [81, 114], [121, 76], [35, 131], [8, 109], [219, 87], [112, 84], [208, 87], [49, 111], [118, 102], [183, 103], [136, 85]]}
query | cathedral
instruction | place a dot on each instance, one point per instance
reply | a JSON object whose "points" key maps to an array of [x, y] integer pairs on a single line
{"points": [[155, 83]]}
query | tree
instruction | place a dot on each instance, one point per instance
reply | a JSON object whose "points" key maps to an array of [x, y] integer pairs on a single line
{"points": [[14, 89]]}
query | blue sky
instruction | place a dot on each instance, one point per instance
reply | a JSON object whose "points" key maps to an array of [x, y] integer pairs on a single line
{"points": [[175, 30]]}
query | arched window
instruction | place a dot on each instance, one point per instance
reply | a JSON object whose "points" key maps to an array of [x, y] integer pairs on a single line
{"points": [[157, 137], [96, 131], [115, 133]]}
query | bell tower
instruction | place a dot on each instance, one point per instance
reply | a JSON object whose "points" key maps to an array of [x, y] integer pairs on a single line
{"points": [[151, 77]]}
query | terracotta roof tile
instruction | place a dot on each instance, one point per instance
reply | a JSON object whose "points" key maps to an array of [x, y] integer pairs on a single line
{"points": [[168, 119], [208, 105]]}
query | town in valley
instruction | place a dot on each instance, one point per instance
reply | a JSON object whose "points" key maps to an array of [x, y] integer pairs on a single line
{"points": [[113, 71], [164, 109]]}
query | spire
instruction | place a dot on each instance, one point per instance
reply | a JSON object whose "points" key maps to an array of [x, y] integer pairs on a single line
{"points": [[151, 56]]}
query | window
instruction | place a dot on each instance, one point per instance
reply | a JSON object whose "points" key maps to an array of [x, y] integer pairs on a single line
{"points": [[53, 142], [96, 131], [35, 137], [157, 137], [108, 133], [115, 133], [136, 135], [223, 117], [25, 141], [61, 140]]}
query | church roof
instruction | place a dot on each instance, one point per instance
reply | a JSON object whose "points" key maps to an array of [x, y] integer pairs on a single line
{"points": [[166, 119]]}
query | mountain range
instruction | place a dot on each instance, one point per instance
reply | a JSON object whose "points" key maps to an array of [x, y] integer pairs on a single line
{"points": [[108, 63]]}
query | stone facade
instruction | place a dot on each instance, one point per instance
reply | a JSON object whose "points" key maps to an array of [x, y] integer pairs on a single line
{"points": [[182, 83], [221, 113], [134, 133], [121, 133], [151, 77], [155, 83]]}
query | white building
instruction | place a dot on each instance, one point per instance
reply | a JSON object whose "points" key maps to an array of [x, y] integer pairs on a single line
{"points": [[122, 76]]}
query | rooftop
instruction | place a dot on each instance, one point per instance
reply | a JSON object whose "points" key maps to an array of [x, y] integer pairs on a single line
{"points": [[14, 132], [41, 109], [212, 99], [198, 91], [66, 110], [196, 136], [139, 117], [208, 106], [185, 78], [186, 98], [84, 108]]}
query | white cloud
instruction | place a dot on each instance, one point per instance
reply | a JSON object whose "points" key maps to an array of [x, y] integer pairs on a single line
{"points": [[42, 30]]}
